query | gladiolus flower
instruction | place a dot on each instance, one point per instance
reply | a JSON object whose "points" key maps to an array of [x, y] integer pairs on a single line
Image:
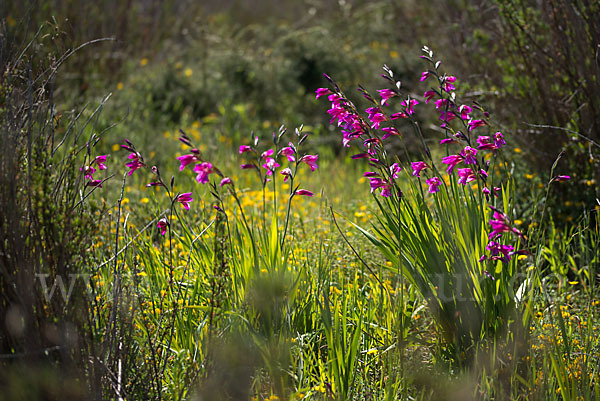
{"points": [[247, 166], [360, 156], [311, 160], [499, 140], [469, 154], [225, 181], [496, 249], [203, 170], [100, 160], [433, 183], [88, 171], [155, 184], [485, 142], [386, 94], [322, 92], [424, 75], [561, 178], [186, 159], [270, 166], [394, 170], [185, 200], [287, 173], [377, 119], [389, 131], [428, 95], [94, 183], [447, 83], [289, 153], [447, 140], [245, 148], [466, 175], [135, 163], [452, 161], [418, 167], [162, 225], [464, 111], [409, 104], [304, 192], [267, 154], [476, 123]]}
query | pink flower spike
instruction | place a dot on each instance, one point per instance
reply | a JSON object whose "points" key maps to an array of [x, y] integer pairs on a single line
{"points": [[185, 200], [203, 170], [289, 153], [245, 148], [323, 92], [225, 181], [185, 160], [162, 225], [433, 183], [311, 160], [418, 167], [304, 192]]}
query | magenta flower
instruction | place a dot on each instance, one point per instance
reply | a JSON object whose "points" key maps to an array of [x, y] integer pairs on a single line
{"points": [[289, 153], [287, 173], [311, 160], [360, 156], [94, 183], [155, 184], [500, 224], [424, 75], [322, 92], [441, 104], [418, 167], [485, 142], [447, 83], [88, 171], [377, 183], [466, 175], [270, 166], [377, 119], [496, 249], [447, 140], [452, 161], [245, 148], [135, 163], [561, 178], [225, 181], [428, 95], [186, 159], [499, 140], [203, 169], [248, 166], [386, 94], [476, 123], [267, 154], [389, 131], [469, 154], [409, 104], [162, 225], [465, 112], [433, 183], [394, 170], [398, 115], [185, 199], [304, 192], [100, 160]]}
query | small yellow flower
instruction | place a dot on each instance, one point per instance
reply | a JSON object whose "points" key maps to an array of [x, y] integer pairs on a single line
{"points": [[143, 61], [144, 200], [394, 54], [518, 222], [125, 201], [178, 65], [528, 176], [518, 150], [120, 86], [188, 72], [116, 147]]}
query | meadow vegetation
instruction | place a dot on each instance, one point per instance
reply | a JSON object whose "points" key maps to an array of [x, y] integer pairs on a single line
{"points": [[355, 200]]}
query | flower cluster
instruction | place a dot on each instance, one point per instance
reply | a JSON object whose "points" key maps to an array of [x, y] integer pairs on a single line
{"points": [[89, 169], [267, 160]]}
